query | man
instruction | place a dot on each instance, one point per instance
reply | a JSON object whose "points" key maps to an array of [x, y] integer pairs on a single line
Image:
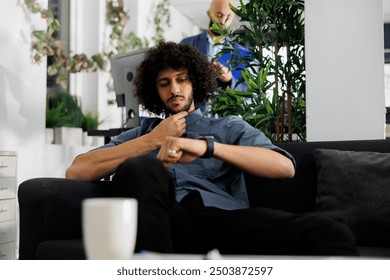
{"points": [[210, 43], [187, 171]]}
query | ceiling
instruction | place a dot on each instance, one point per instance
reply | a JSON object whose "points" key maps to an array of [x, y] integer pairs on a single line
{"points": [[196, 10]]}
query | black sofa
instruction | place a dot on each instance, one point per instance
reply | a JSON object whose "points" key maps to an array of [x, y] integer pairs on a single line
{"points": [[50, 208]]}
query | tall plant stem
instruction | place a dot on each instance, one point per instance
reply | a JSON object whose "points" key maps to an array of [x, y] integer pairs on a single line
{"points": [[279, 119], [289, 91]]}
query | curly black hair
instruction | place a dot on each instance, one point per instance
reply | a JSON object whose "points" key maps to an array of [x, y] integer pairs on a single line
{"points": [[175, 56]]}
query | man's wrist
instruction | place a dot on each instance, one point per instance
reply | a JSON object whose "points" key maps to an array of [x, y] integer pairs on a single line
{"points": [[210, 146], [223, 84]]}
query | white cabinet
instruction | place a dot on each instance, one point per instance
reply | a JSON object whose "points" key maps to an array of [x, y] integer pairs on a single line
{"points": [[8, 186]]}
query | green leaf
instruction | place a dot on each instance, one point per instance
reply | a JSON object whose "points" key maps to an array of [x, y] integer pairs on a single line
{"points": [[52, 71]]}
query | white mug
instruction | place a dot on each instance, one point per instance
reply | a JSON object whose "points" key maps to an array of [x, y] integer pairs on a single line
{"points": [[109, 228]]}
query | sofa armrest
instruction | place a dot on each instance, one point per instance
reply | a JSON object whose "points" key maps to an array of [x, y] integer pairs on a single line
{"points": [[50, 208]]}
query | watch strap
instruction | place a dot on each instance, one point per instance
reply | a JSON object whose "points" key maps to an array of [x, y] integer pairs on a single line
{"points": [[210, 146]]}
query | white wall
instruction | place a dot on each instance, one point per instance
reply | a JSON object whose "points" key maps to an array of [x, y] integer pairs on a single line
{"points": [[387, 84], [90, 35], [181, 27], [142, 15], [23, 98], [22, 90], [345, 73]]}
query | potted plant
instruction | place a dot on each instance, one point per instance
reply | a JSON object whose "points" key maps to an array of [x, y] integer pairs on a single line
{"points": [[90, 122], [64, 116], [275, 74]]}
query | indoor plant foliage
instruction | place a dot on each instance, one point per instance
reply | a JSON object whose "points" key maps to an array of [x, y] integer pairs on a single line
{"points": [[66, 121], [90, 122], [62, 109], [64, 61], [274, 102]]}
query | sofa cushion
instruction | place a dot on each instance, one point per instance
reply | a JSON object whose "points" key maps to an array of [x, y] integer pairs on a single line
{"points": [[62, 249], [354, 187]]}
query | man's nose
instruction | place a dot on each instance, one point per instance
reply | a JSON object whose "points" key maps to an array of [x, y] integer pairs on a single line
{"points": [[175, 89]]}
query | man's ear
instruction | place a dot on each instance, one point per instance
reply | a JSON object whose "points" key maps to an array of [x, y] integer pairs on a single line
{"points": [[209, 14]]}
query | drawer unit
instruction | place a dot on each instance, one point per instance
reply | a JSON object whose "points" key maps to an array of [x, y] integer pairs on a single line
{"points": [[7, 251], [7, 232], [7, 210], [8, 190], [7, 166]]}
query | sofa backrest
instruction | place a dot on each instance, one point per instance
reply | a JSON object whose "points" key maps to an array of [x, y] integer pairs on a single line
{"points": [[299, 194]]}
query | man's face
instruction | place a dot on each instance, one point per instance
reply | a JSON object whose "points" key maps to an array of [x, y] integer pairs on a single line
{"points": [[220, 11], [175, 90]]}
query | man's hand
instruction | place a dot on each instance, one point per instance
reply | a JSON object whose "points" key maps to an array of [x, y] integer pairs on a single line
{"points": [[174, 125], [175, 149], [223, 72]]}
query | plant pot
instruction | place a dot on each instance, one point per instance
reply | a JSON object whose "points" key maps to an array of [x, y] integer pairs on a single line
{"points": [[72, 136], [49, 135], [87, 140]]}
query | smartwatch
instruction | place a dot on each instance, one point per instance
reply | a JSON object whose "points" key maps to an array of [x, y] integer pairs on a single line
{"points": [[210, 146]]}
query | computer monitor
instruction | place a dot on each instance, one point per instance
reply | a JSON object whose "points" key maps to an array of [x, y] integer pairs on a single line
{"points": [[123, 69]]}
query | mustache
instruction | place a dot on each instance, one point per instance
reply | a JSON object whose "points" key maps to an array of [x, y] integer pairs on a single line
{"points": [[175, 96], [215, 32]]}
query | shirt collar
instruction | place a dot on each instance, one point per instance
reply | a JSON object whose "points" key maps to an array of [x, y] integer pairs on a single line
{"points": [[194, 116]]}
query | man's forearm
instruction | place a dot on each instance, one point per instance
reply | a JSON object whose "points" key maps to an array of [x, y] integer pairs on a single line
{"points": [[256, 160], [97, 164]]}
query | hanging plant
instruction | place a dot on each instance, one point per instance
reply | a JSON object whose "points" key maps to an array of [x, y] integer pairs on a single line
{"points": [[64, 62], [120, 41], [161, 18], [45, 44]]}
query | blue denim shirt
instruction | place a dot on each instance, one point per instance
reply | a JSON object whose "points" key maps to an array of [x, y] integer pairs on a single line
{"points": [[220, 184]]}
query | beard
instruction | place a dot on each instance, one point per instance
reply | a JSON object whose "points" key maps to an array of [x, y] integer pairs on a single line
{"points": [[186, 107], [216, 33]]}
